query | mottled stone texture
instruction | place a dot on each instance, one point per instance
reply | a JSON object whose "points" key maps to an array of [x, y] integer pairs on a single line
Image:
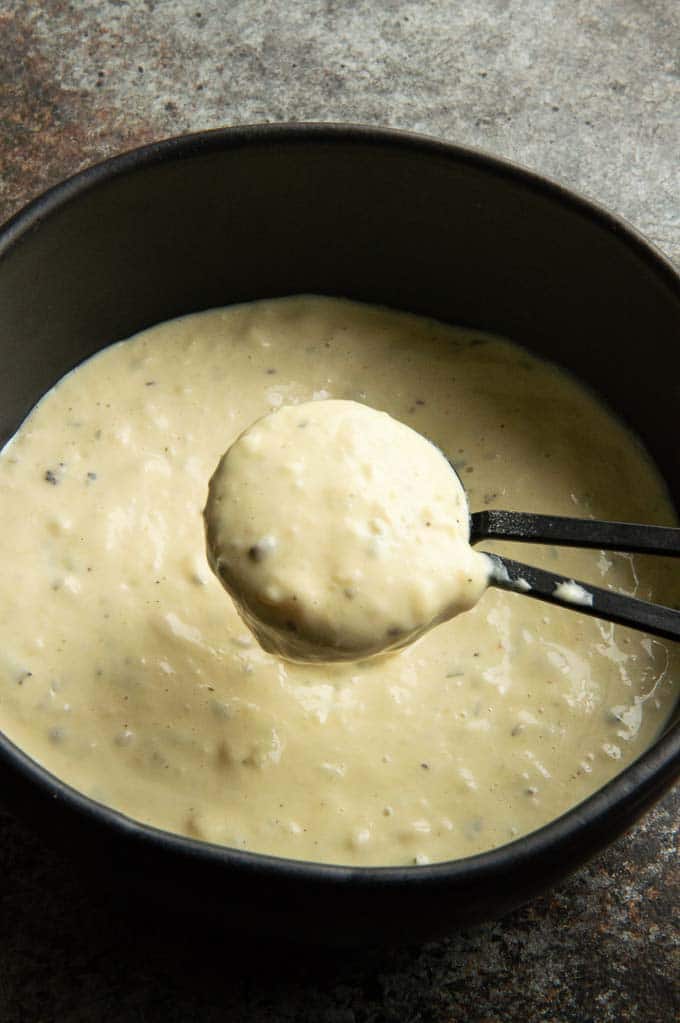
{"points": [[587, 91]]}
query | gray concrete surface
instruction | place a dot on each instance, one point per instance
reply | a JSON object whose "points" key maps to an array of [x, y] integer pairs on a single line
{"points": [[586, 92]]}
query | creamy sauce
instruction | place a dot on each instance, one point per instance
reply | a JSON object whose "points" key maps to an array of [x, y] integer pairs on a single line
{"points": [[340, 532], [126, 671], [573, 593]]}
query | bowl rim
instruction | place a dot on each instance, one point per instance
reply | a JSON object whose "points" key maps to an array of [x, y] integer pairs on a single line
{"points": [[641, 782]]}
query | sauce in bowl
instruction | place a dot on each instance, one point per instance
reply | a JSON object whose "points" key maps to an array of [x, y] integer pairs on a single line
{"points": [[126, 671]]}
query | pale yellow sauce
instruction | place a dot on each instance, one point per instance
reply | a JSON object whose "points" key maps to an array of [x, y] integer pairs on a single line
{"points": [[126, 670], [340, 532]]}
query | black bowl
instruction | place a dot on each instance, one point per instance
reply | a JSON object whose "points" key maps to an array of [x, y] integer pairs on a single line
{"points": [[386, 217]]}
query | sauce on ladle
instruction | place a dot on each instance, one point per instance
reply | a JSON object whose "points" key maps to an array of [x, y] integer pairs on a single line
{"points": [[340, 532]]}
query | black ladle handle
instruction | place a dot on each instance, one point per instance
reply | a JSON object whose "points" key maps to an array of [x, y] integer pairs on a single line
{"points": [[567, 532], [589, 600]]}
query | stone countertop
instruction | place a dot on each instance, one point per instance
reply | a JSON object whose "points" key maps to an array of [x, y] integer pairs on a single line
{"points": [[585, 91]]}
